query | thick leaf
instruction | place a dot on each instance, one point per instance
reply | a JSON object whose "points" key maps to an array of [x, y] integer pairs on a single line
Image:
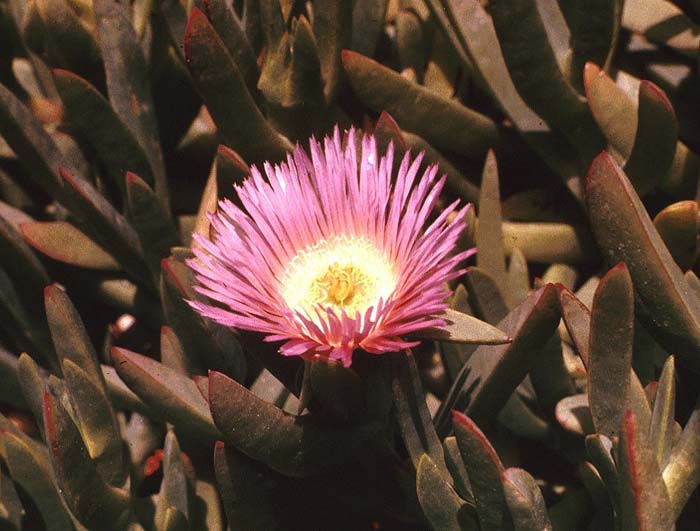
{"points": [[679, 227], [412, 414], [616, 115], [595, 34], [536, 75], [655, 140], [232, 34], [244, 488], [485, 297], [64, 242], [367, 18], [219, 81], [152, 223], [129, 86], [518, 285], [30, 468], [645, 500], [489, 236], [493, 372], [574, 415], [485, 469], [577, 319], [525, 502], [549, 242], [610, 357], [175, 491], [625, 233], [33, 146], [216, 346], [440, 503], [444, 123], [662, 418], [294, 446], [464, 328], [69, 42], [682, 474], [599, 450], [11, 510], [455, 464], [172, 396], [76, 474], [332, 29], [339, 390], [97, 423], [91, 116], [100, 221]]}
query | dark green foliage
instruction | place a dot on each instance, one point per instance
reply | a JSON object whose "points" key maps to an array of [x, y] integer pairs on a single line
{"points": [[561, 394]]}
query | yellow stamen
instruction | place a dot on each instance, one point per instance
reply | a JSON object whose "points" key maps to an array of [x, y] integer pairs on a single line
{"points": [[343, 273]]}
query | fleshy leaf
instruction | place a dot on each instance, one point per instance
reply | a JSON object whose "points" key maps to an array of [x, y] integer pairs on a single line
{"points": [[464, 328], [625, 232], [610, 358], [525, 502]]}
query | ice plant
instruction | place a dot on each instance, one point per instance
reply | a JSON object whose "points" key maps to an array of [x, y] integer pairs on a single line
{"points": [[332, 252]]}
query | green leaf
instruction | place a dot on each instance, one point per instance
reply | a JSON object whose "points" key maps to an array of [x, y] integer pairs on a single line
{"points": [[339, 390], [493, 372], [99, 220], [97, 423], [489, 236], [129, 86], [367, 18], [153, 224], [172, 396], [412, 413], [69, 42], [219, 82], [33, 146], [525, 502], [30, 468], [332, 29], [645, 500], [536, 75], [76, 474], [616, 115], [444, 123], [11, 510], [464, 328], [594, 34], [293, 445], [485, 469], [485, 297], [682, 474], [655, 141], [455, 464], [232, 34], [610, 358], [215, 345], [440, 503], [662, 418], [549, 242], [574, 415], [176, 492], [91, 116], [624, 232], [518, 278], [678, 225], [65, 243], [244, 488]]}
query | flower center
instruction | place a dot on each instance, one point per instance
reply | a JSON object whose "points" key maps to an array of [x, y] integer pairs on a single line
{"points": [[341, 273]]}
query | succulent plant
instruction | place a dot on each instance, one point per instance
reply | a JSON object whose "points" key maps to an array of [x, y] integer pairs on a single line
{"points": [[559, 389]]}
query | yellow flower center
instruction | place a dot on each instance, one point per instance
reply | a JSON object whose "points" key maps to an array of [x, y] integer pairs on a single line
{"points": [[342, 273]]}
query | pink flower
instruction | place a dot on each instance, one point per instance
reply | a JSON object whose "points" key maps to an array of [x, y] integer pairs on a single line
{"points": [[331, 253]]}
